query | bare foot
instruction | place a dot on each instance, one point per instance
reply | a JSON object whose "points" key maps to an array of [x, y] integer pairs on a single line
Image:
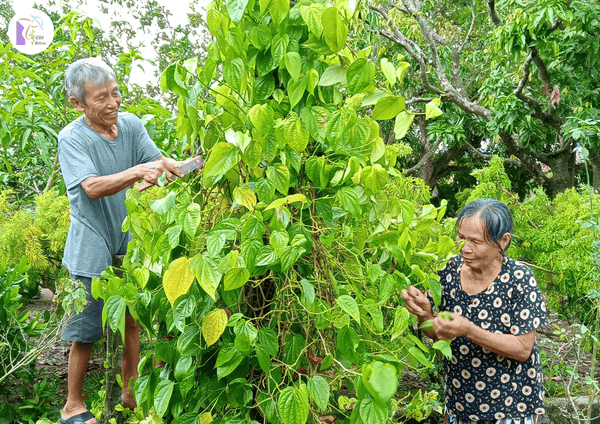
{"points": [[128, 401]]}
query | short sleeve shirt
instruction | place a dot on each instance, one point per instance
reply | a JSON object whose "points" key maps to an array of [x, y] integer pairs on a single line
{"points": [[95, 231], [481, 385]]}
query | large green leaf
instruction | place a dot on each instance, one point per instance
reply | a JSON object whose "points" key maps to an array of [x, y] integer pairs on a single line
{"points": [[360, 75], [262, 117], [388, 107], [312, 17], [389, 70], [347, 342], [373, 178], [279, 175], [334, 74], [233, 72], [293, 64], [295, 133], [432, 109], [349, 200], [279, 10], [114, 314], [162, 396], [235, 278], [402, 124], [236, 9], [380, 380], [349, 305], [223, 157], [373, 412], [162, 206], [207, 273], [318, 389], [292, 405], [191, 220], [335, 30]]}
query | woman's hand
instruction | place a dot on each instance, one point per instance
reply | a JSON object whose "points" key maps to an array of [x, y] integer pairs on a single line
{"points": [[417, 303], [446, 329]]}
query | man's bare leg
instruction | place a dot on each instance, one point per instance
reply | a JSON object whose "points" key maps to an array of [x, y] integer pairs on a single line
{"points": [[131, 359], [79, 356]]}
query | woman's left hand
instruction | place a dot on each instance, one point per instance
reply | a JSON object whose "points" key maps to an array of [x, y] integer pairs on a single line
{"points": [[459, 326]]}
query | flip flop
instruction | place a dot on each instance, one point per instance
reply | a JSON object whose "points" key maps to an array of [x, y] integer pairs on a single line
{"points": [[79, 419]]}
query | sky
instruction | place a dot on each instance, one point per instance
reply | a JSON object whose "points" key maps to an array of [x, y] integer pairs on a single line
{"points": [[178, 8]]}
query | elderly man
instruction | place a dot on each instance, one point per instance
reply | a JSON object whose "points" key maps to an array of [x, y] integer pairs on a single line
{"points": [[101, 154]]}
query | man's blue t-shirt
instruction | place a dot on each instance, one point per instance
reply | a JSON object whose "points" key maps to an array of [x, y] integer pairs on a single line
{"points": [[95, 232]]}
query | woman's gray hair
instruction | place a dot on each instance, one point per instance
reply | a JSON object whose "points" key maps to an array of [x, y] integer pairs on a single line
{"points": [[91, 69], [494, 216]]}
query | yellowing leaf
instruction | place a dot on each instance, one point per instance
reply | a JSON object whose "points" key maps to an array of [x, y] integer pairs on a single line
{"points": [[141, 276], [177, 279], [244, 196], [276, 204], [205, 418], [432, 109], [213, 325]]}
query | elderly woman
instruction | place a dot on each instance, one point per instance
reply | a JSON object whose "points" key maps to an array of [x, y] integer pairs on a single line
{"points": [[495, 373]]}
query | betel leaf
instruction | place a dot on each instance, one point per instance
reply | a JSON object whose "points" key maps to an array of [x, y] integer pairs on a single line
{"points": [[380, 380], [318, 389], [114, 314], [389, 70], [289, 256], [292, 405], [266, 256], [347, 342], [312, 17], [388, 107], [335, 30], [235, 278], [349, 305], [360, 75], [279, 175], [262, 117], [349, 200], [279, 240], [233, 73], [373, 178], [401, 317], [162, 396], [191, 219], [267, 338], [213, 325], [162, 206], [279, 10], [296, 91], [293, 64], [236, 9], [244, 196], [373, 412], [207, 273], [334, 74], [177, 279], [432, 109], [223, 157], [295, 133], [444, 347], [402, 124]]}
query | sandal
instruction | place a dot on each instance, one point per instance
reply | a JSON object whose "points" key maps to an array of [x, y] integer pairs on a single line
{"points": [[79, 418]]}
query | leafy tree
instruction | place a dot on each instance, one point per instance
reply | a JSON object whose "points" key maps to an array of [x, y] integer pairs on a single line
{"points": [[511, 77], [271, 281]]}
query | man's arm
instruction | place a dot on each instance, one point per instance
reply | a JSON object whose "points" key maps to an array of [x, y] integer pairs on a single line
{"points": [[107, 185]]}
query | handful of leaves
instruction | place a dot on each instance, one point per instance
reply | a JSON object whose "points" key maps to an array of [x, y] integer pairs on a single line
{"points": [[428, 325]]}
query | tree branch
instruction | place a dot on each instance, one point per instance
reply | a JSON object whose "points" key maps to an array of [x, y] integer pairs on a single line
{"points": [[491, 9], [481, 155]]}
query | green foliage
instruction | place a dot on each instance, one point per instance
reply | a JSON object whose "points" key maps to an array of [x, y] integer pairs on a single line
{"points": [[37, 235], [271, 280]]}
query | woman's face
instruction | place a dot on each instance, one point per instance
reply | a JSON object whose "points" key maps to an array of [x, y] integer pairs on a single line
{"points": [[478, 250]]}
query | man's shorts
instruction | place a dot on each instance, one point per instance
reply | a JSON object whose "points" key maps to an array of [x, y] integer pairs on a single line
{"points": [[85, 327]]}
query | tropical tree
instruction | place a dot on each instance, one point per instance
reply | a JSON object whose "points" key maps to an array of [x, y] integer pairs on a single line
{"points": [[512, 77]]}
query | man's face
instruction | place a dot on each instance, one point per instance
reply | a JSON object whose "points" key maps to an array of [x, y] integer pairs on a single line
{"points": [[102, 102]]}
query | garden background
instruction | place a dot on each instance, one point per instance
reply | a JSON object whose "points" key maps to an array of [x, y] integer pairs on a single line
{"points": [[340, 141]]}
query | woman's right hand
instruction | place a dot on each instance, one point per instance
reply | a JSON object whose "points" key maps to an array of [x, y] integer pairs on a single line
{"points": [[417, 303]]}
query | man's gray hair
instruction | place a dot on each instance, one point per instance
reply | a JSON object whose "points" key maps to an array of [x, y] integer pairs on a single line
{"points": [[91, 69], [494, 215]]}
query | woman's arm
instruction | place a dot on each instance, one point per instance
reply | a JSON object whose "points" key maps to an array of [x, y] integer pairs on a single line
{"points": [[107, 185], [516, 347]]}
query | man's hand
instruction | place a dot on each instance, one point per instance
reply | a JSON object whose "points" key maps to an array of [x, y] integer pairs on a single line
{"points": [[152, 171], [417, 303]]}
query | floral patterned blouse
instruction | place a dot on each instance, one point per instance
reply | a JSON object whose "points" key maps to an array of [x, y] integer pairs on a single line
{"points": [[481, 385]]}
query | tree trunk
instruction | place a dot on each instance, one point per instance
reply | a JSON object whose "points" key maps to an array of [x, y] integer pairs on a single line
{"points": [[562, 166]]}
